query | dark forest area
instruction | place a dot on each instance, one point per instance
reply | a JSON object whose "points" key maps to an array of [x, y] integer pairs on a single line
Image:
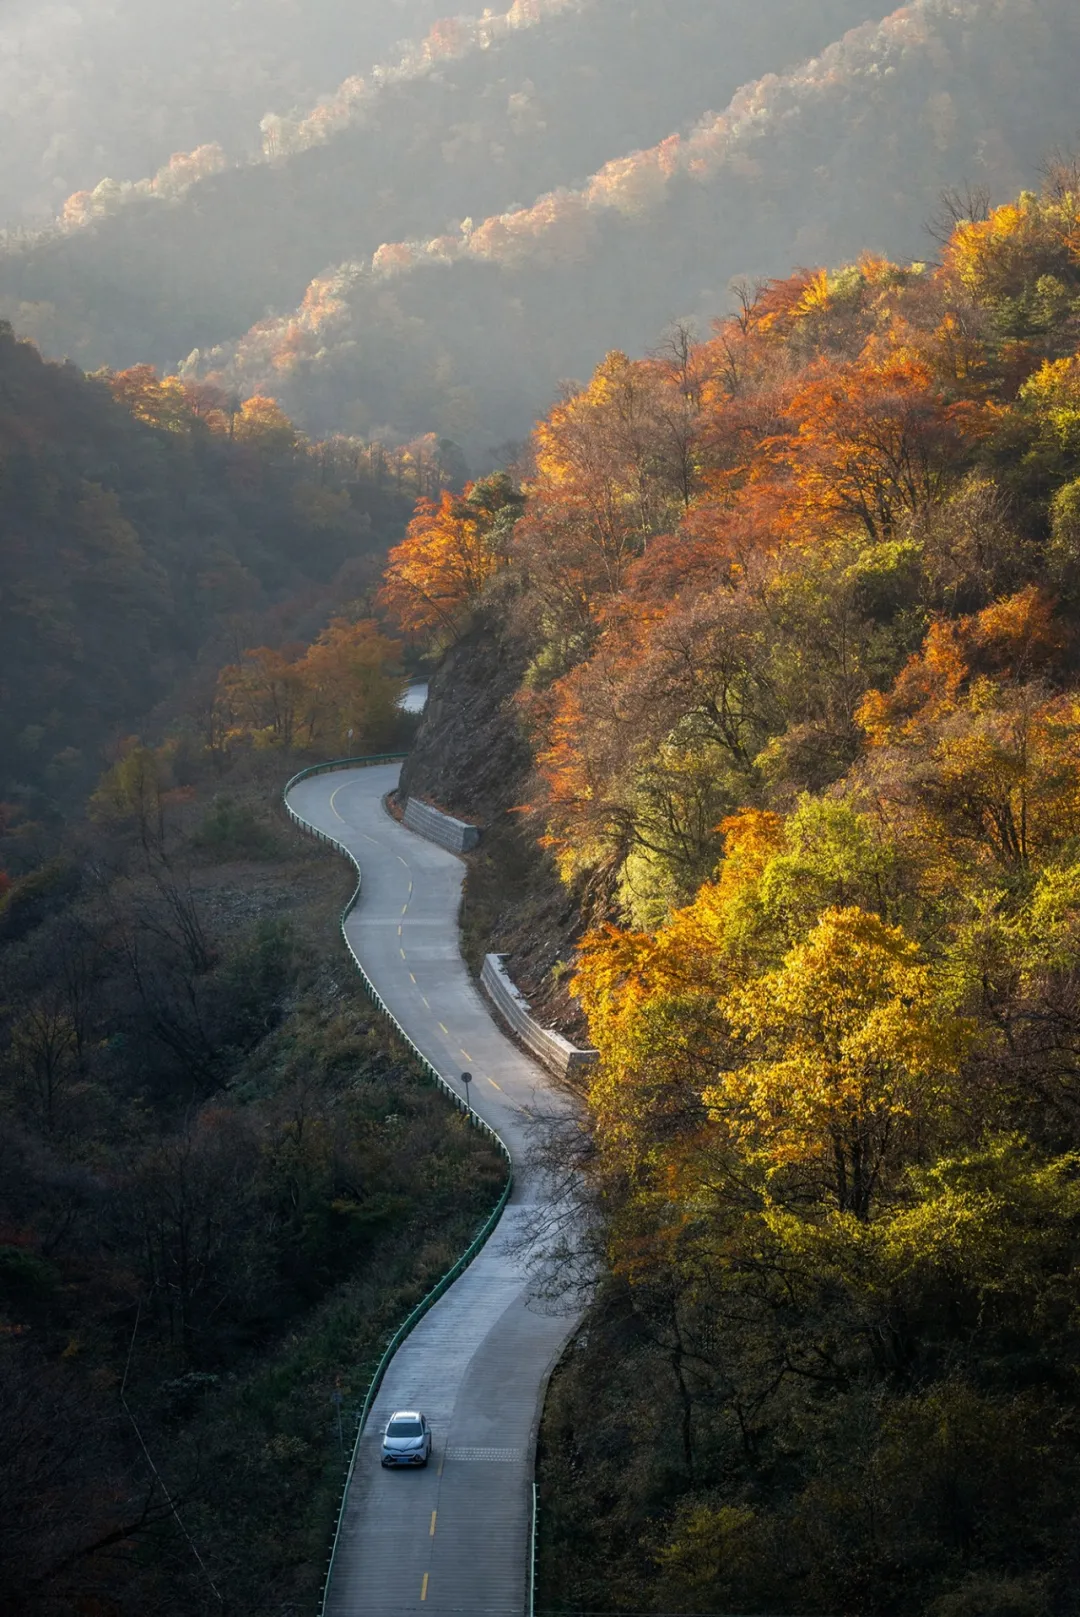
{"points": [[222, 1183]]}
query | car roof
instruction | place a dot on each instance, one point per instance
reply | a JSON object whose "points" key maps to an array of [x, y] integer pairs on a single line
{"points": [[406, 1414]]}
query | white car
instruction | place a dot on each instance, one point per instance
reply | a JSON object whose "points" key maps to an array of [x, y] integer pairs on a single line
{"points": [[407, 1439]]}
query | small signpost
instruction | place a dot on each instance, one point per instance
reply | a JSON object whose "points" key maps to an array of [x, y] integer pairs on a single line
{"points": [[466, 1079]]}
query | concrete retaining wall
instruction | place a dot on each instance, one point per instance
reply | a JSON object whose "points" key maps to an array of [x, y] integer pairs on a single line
{"points": [[549, 1047], [439, 827]]}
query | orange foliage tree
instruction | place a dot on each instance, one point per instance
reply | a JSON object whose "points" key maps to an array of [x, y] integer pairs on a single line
{"points": [[454, 546], [614, 467], [340, 693], [876, 441]]}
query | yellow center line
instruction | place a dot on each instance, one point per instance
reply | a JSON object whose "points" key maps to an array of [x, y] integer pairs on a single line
{"points": [[412, 979], [401, 951], [399, 930], [333, 794], [434, 1513], [404, 907], [466, 1054], [424, 998], [494, 1085], [445, 1029], [423, 1586]]}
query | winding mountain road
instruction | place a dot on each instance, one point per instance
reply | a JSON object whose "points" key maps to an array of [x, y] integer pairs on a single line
{"points": [[451, 1540]]}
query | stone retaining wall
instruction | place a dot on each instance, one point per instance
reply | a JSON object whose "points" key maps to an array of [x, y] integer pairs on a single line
{"points": [[549, 1047], [438, 827]]}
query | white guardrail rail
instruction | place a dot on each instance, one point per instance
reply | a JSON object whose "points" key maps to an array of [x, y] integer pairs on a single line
{"points": [[438, 1078], [557, 1054]]}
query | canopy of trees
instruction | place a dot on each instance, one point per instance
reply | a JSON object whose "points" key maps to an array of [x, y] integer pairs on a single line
{"points": [[798, 604], [149, 527]]}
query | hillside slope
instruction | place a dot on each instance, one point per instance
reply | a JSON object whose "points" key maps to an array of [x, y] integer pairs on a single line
{"points": [[139, 522], [796, 614], [471, 331], [470, 131], [114, 87]]}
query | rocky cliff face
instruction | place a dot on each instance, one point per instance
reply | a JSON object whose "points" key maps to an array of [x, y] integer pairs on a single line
{"points": [[472, 757]]}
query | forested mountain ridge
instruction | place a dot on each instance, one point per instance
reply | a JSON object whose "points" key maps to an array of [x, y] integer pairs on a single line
{"points": [[115, 87], [146, 525], [852, 147], [786, 621], [481, 131]]}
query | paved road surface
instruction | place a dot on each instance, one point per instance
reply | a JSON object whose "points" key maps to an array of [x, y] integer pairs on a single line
{"points": [[452, 1539]]}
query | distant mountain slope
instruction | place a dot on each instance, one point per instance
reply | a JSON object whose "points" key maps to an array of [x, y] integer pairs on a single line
{"points": [[137, 520], [489, 129], [351, 104], [469, 332], [114, 87]]}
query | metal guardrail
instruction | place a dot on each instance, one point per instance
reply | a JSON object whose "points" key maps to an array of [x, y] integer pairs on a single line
{"points": [[532, 1555], [431, 1072]]}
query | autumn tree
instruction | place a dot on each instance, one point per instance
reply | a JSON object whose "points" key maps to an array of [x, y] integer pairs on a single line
{"points": [[875, 442], [614, 467], [137, 791], [352, 687], [851, 1055], [453, 548], [265, 696], [339, 693]]}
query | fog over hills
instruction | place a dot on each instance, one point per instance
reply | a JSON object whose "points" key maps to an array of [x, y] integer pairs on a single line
{"points": [[484, 118], [847, 152], [90, 88], [434, 246]]}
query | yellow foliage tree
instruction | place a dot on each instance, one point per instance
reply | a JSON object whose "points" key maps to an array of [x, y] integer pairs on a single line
{"points": [[137, 791], [851, 1057], [262, 423], [351, 684], [264, 697]]}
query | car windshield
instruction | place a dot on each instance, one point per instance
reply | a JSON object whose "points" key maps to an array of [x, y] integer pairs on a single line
{"points": [[404, 1428]]}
